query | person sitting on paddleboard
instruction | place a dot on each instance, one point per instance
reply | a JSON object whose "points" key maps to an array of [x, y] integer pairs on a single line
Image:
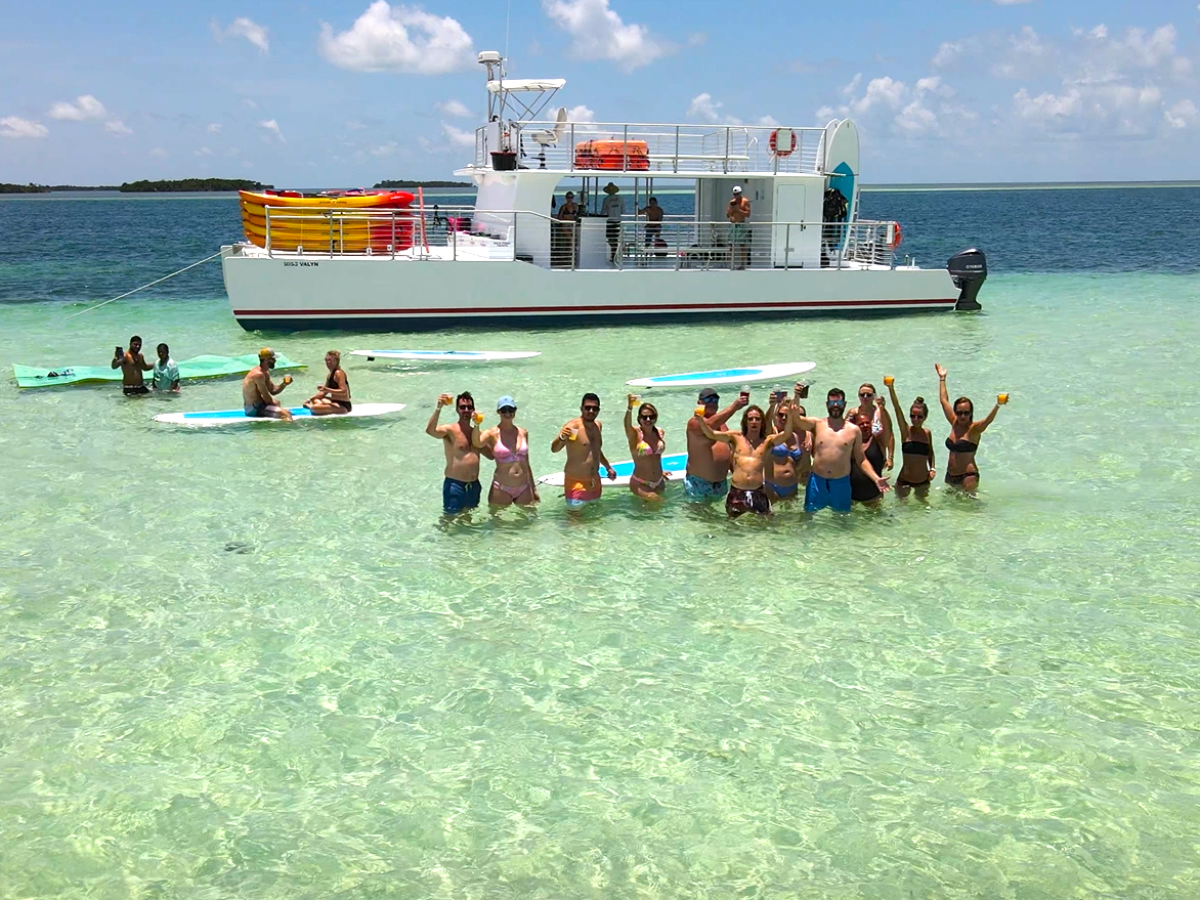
{"points": [[585, 454], [166, 373], [460, 486], [132, 364], [258, 390], [509, 447], [707, 475], [837, 445], [647, 444], [749, 447], [333, 397], [961, 471]]}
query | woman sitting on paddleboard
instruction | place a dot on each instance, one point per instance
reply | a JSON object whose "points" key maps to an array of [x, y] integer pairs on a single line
{"points": [[747, 493], [917, 468], [333, 397], [646, 443], [872, 418], [965, 433], [788, 464], [508, 445]]}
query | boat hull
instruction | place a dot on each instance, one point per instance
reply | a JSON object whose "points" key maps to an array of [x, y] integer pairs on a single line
{"points": [[380, 294]]}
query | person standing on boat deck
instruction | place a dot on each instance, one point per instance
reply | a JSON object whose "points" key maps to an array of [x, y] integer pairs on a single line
{"points": [[333, 397], [258, 390], [647, 444], [132, 364], [738, 214], [654, 216], [708, 461], [166, 373], [612, 209], [567, 215], [837, 447], [508, 445], [879, 441], [585, 454], [917, 460], [460, 485], [965, 433]]}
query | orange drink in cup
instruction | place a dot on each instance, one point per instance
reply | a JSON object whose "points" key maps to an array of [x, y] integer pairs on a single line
{"points": [[1002, 399], [700, 411], [477, 418], [889, 380]]}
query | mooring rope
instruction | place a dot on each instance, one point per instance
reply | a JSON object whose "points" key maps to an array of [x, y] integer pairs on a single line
{"points": [[144, 286]]}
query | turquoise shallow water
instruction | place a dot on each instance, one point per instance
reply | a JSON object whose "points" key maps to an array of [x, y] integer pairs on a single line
{"points": [[259, 664]]}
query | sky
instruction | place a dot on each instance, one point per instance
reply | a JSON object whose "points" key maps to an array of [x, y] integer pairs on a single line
{"points": [[346, 93]]}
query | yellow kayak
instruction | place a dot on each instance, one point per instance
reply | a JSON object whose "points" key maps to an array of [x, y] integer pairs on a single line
{"points": [[392, 199]]}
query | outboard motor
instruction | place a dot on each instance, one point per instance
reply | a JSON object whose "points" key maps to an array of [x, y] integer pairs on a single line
{"points": [[968, 268]]}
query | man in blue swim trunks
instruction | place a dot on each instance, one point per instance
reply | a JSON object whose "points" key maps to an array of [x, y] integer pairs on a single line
{"points": [[836, 447], [460, 488], [708, 461]]}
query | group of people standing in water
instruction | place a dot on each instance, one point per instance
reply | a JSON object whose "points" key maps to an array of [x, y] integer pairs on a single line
{"points": [[839, 459]]}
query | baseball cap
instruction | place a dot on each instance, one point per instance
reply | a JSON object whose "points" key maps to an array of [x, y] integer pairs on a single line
{"points": [[708, 392], [266, 353], [737, 188], [504, 401]]}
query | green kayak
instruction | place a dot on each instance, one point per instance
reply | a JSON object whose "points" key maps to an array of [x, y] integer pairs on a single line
{"points": [[189, 369]]}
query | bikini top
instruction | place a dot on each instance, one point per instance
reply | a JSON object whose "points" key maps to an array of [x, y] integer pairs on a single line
{"points": [[782, 450], [917, 448], [331, 381], [644, 448], [961, 446], [502, 454]]}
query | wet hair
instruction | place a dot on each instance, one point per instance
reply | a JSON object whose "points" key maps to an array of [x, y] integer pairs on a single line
{"points": [[835, 392], [762, 429], [647, 407], [919, 403], [465, 395], [589, 396], [970, 405], [163, 347]]}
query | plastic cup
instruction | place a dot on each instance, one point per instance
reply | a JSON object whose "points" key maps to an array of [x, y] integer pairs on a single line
{"points": [[1002, 399], [633, 401], [477, 418], [700, 411], [888, 380]]}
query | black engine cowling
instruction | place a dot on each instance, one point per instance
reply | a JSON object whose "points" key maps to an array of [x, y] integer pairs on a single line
{"points": [[968, 268]]}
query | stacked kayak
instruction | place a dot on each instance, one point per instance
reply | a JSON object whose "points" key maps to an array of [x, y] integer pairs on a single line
{"points": [[348, 224], [190, 369]]}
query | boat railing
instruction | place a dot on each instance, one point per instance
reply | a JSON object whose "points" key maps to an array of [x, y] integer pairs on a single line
{"points": [[663, 148]]}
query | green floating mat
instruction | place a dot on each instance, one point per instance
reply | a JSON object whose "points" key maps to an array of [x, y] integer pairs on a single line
{"points": [[189, 369]]}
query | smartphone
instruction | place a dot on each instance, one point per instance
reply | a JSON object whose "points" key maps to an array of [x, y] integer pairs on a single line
{"points": [[120, 351]]}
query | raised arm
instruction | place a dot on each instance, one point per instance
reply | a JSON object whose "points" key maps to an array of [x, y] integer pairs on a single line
{"points": [[564, 435], [631, 434], [981, 427], [942, 395], [432, 428], [726, 436], [723, 416], [788, 427], [482, 439], [901, 416]]}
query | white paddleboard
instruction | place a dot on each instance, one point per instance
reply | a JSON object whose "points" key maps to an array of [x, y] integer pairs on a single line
{"points": [[447, 355], [239, 417], [741, 375], [675, 464]]}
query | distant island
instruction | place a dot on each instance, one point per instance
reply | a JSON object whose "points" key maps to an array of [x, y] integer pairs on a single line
{"points": [[31, 188], [424, 184], [192, 184]]}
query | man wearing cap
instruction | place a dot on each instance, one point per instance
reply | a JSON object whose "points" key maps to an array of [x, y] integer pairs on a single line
{"points": [[612, 209], [258, 390], [708, 461], [460, 485], [565, 231], [738, 212]]}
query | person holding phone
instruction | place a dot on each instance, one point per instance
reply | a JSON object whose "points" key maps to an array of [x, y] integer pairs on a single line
{"points": [[132, 364]]}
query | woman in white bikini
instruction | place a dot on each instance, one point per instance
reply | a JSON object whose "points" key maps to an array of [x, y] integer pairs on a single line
{"points": [[646, 443], [509, 447]]}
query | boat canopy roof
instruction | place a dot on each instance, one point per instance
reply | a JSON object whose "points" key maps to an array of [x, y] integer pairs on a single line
{"points": [[526, 84]]}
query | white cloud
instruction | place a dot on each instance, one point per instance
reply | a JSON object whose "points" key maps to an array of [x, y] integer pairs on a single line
{"points": [[384, 149], [398, 39], [249, 103], [455, 108], [599, 33], [880, 91], [159, 153], [580, 113], [704, 107], [1181, 115], [244, 28], [457, 136], [272, 126], [85, 107], [1025, 54], [116, 126], [14, 127], [1104, 110], [213, 128], [204, 151], [767, 122]]}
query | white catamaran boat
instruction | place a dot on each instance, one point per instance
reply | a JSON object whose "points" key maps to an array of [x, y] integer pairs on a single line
{"points": [[522, 254]]}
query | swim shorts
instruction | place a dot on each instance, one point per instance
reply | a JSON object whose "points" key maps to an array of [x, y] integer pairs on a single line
{"points": [[255, 410], [459, 495], [831, 493], [739, 234], [135, 390], [699, 489], [741, 501], [578, 493]]}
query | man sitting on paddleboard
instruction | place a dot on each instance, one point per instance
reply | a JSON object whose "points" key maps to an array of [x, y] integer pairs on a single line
{"points": [[837, 445], [460, 487], [258, 390], [132, 364], [708, 461], [585, 454]]}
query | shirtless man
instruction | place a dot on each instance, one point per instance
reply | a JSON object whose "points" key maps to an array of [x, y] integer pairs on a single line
{"points": [[737, 211], [460, 489], [258, 390], [837, 446], [585, 454], [708, 461], [132, 364]]}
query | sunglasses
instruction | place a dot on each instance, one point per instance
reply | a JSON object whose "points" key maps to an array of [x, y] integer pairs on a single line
{"points": [[866, 394], [591, 409], [917, 417], [835, 402], [648, 417], [710, 399], [962, 412], [508, 410], [465, 408]]}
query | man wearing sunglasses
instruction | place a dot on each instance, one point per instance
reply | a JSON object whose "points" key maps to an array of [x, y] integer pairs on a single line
{"points": [[585, 454], [837, 446], [708, 461], [460, 489]]}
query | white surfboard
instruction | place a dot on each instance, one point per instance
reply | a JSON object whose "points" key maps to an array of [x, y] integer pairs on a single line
{"points": [[741, 375], [447, 355], [239, 417], [674, 465]]}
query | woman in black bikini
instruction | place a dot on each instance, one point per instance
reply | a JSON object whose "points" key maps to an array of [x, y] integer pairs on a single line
{"points": [[917, 468], [333, 397], [872, 418], [965, 433]]}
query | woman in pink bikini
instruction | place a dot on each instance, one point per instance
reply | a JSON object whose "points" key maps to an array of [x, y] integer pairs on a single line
{"points": [[646, 443], [509, 446]]}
